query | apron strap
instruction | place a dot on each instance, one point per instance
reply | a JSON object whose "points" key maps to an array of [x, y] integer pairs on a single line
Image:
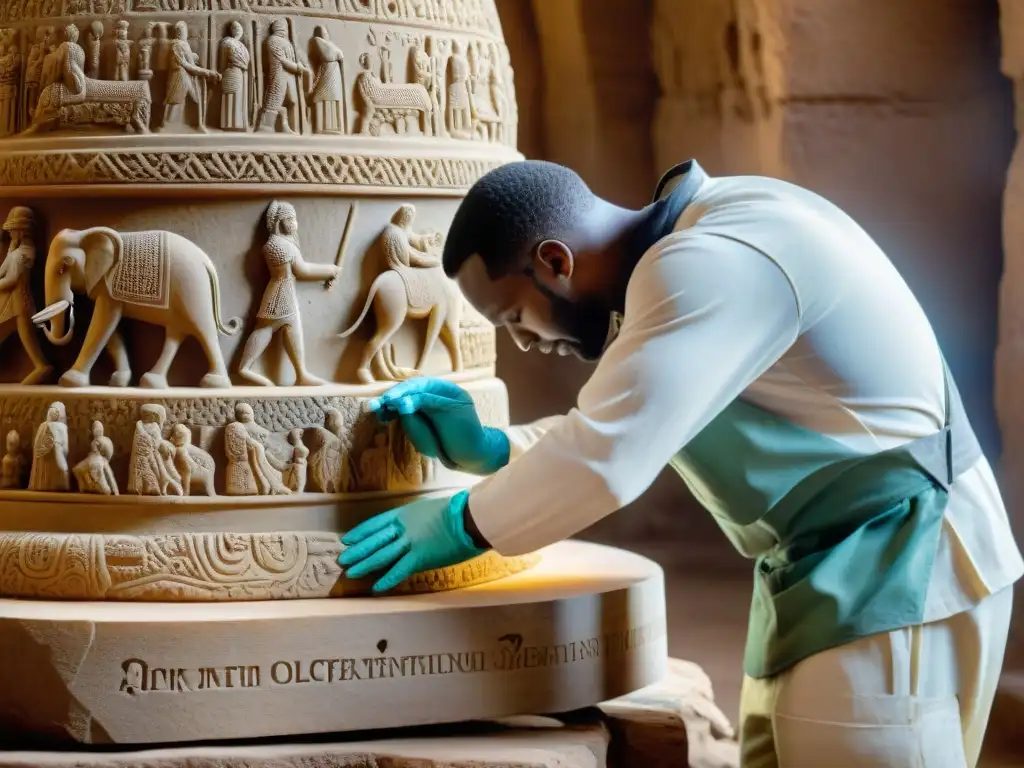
{"points": [[954, 449]]}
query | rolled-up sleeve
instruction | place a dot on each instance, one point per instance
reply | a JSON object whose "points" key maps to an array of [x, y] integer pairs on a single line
{"points": [[704, 317]]}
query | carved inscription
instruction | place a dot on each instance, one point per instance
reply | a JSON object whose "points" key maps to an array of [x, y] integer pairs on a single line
{"points": [[511, 653]]}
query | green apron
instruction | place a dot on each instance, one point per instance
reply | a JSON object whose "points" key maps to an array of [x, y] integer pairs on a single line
{"points": [[844, 542]]}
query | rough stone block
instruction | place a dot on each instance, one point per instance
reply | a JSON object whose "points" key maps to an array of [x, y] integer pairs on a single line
{"points": [[672, 723], [583, 746]]}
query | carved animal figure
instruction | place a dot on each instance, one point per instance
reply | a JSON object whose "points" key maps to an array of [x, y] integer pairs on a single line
{"points": [[157, 277], [390, 102], [414, 286], [193, 464]]}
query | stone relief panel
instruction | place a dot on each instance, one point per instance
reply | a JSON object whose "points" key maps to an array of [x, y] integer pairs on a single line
{"points": [[259, 303], [180, 446], [186, 67], [207, 567]]}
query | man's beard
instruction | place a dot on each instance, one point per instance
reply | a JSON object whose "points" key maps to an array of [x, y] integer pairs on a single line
{"points": [[587, 321]]}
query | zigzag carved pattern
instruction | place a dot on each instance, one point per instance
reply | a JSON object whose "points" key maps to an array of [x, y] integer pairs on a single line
{"points": [[55, 169]]}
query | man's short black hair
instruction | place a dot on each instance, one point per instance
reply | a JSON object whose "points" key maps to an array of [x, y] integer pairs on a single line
{"points": [[511, 209]]}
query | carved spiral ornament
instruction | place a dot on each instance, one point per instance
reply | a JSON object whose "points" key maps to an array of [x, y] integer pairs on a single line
{"points": [[223, 230]]}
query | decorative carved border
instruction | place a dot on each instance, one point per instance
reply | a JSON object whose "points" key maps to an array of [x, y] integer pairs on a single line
{"points": [[208, 567], [22, 169]]}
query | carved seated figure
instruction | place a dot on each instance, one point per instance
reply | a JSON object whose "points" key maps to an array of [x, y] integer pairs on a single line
{"points": [[194, 465], [71, 99], [151, 469], [93, 473]]}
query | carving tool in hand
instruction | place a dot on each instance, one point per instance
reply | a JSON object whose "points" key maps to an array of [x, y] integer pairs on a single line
{"points": [[344, 242]]}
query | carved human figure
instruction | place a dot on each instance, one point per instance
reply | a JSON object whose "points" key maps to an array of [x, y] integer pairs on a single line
{"points": [[151, 469], [194, 466], [486, 121], [34, 69], [16, 305], [283, 70], [93, 473], [146, 52], [459, 106], [93, 48], [68, 98], [251, 471], [123, 52], [330, 464], [373, 465], [437, 50], [50, 452], [413, 285], [499, 94], [157, 277], [328, 91], [407, 468], [10, 82], [234, 92], [13, 466], [294, 475], [186, 80], [279, 309]]}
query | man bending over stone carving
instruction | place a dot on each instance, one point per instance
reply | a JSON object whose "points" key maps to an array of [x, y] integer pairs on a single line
{"points": [[752, 336]]}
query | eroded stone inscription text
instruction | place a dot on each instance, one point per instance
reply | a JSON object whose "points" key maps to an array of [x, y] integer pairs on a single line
{"points": [[511, 653]]}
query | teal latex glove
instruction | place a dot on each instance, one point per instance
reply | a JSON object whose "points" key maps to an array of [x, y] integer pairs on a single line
{"points": [[421, 536], [441, 421]]}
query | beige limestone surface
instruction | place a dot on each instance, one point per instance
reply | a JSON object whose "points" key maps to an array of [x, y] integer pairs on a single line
{"points": [[222, 226], [584, 626]]}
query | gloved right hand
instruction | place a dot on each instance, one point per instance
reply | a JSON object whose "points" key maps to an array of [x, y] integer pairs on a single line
{"points": [[441, 421]]}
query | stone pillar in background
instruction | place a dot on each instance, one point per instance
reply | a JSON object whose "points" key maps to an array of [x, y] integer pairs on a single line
{"points": [[1010, 351]]}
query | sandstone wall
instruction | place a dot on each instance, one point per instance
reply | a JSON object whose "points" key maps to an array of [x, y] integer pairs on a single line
{"points": [[1010, 351]]}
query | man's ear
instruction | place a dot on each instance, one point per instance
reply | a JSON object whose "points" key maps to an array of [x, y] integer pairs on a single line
{"points": [[553, 258]]}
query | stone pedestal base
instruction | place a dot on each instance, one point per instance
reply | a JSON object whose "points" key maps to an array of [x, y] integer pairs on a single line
{"points": [[585, 626], [672, 723]]}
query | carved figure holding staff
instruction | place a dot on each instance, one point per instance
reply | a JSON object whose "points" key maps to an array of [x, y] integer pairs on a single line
{"points": [[185, 79]]}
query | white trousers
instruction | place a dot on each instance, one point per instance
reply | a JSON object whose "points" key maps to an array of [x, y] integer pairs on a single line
{"points": [[913, 698]]}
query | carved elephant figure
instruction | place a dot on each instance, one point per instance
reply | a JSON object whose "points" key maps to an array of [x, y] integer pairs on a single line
{"points": [[157, 277], [409, 292]]}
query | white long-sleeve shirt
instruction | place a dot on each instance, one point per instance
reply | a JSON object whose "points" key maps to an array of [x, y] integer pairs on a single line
{"points": [[767, 291]]}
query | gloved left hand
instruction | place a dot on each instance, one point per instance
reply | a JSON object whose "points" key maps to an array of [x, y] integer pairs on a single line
{"points": [[421, 536]]}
